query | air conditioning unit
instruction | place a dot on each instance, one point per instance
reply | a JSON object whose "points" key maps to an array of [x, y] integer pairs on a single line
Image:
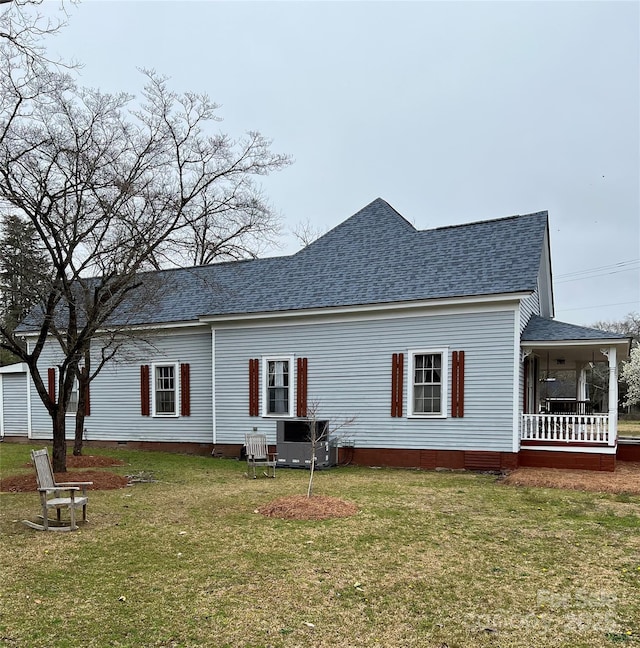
{"points": [[294, 444]]}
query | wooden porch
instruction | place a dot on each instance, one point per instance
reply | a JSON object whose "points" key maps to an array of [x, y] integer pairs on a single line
{"points": [[569, 406]]}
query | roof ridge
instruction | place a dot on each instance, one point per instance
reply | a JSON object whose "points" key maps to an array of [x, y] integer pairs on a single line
{"points": [[544, 213]]}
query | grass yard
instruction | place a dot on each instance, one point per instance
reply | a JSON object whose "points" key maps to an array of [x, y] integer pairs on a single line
{"points": [[432, 559], [629, 428]]}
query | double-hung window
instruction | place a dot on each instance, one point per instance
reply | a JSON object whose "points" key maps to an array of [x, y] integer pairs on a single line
{"points": [[72, 407], [278, 386], [165, 389], [428, 382]]}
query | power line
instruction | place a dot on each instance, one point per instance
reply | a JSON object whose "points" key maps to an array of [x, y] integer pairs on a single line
{"points": [[614, 268], [600, 306], [606, 267]]}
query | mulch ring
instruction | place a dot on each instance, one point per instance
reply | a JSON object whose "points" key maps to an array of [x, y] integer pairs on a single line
{"points": [[301, 507], [102, 479], [625, 478]]}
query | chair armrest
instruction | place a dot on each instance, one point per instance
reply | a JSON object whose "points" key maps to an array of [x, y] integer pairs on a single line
{"points": [[273, 454], [72, 484]]}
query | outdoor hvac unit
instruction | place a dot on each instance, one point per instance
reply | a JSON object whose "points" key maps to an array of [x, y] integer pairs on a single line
{"points": [[294, 445]]}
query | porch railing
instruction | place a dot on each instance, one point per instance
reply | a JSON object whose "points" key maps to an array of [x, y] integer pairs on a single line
{"points": [[567, 428]]}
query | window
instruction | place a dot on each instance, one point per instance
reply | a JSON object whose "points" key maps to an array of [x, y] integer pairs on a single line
{"points": [[72, 408], [428, 383], [165, 391], [277, 381]]}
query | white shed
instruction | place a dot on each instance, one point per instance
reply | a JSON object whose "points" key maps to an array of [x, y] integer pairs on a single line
{"points": [[14, 400]]}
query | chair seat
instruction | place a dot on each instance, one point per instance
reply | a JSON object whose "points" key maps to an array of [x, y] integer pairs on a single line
{"points": [[59, 502]]}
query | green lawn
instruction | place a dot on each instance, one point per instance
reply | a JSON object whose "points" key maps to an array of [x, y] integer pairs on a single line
{"points": [[431, 559], [629, 428]]}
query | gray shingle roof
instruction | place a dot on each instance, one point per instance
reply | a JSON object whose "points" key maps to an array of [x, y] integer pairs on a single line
{"points": [[374, 257], [542, 329]]}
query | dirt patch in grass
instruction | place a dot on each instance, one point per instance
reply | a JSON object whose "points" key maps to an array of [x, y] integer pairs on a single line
{"points": [[625, 478], [300, 507], [102, 480]]}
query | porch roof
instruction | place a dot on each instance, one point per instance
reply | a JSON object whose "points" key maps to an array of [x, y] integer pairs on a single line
{"points": [[542, 332]]}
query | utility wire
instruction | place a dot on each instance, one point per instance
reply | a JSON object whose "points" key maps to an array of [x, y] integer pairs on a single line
{"points": [[600, 306], [614, 268]]}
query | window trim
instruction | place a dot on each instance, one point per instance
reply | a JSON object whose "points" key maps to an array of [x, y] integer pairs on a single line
{"points": [[265, 385], [444, 382], [176, 389]]}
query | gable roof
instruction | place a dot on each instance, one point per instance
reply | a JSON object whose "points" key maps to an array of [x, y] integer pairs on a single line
{"points": [[543, 329], [374, 257]]}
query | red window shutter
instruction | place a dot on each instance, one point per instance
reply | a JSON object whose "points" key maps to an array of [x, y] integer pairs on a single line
{"points": [[457, 384], [51, 383], [145, 404], [254, 388], [397, 382], [301, 408], [185, 390]]}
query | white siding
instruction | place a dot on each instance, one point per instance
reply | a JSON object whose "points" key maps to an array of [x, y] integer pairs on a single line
{"points": [[115, 393], [13, 391], [349, 374], [529, 306]]}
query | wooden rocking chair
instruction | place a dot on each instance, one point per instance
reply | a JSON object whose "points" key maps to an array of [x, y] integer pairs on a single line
{"points": [[47, 486], [258, 454]]}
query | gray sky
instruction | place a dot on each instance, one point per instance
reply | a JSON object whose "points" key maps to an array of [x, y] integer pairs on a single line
{"points": [[450, 111]]}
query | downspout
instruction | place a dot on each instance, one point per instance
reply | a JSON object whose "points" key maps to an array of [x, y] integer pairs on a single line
{"points": [[213, 385], [29, 417], [516, 381], [1, 408]]}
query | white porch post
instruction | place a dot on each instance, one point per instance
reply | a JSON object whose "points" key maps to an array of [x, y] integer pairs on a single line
{"points": [[613, 393]]}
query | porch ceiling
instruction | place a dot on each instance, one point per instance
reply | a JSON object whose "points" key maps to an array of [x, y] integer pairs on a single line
{"points": [[567, 355]]}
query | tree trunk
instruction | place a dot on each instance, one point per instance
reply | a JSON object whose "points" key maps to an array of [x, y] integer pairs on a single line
{"points": [[312, 471], [83, 386], [59, 441], [79, 435]]}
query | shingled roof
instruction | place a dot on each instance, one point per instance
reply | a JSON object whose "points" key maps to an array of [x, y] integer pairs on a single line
{"points": [[543, 329], [374, 257]]}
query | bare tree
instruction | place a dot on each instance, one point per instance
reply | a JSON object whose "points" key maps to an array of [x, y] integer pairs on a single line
{"points": [[23, 29], [306, 232], [333, 432], [240, 227], [629, 325], [109, 187]]}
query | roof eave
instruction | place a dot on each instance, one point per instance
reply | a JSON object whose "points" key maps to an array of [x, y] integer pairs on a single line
{"points": [[370, 308]]}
